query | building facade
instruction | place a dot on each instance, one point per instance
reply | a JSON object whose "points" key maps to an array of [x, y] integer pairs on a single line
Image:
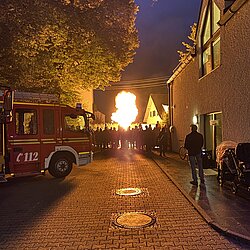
{"points": [[212, 87], [156, 110]]}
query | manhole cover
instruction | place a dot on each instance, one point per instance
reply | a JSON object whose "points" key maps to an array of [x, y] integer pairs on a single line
{"points": [[134, 220], [128, 191]]}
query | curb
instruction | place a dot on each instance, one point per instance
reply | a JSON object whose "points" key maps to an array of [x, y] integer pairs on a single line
{"points": [[202, 212]]}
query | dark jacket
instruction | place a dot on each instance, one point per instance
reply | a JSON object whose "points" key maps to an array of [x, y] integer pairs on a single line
{"points": [[162, 138], [194, 143]]}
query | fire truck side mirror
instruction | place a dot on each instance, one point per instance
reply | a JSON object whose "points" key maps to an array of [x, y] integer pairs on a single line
{"points": [[90, 115], [8, 101]]}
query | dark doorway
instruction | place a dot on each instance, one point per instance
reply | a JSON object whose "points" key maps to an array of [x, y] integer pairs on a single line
{"points": [[212, 132]]}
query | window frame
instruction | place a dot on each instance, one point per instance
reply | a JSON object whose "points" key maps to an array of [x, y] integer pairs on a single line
{"points": [[214, 36], [48, 132], [21, 132]]}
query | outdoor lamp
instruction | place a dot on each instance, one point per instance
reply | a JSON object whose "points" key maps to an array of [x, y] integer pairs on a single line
{"points": [[195, 119]]}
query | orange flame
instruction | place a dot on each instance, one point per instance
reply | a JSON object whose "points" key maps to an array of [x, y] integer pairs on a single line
{"points": [[127, 111]]}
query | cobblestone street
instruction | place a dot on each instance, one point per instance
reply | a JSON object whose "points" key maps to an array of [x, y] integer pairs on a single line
{"points": [[77, 212]]}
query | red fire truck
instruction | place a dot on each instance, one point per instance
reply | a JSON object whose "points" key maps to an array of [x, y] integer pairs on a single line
{"points": [[38, 134]]}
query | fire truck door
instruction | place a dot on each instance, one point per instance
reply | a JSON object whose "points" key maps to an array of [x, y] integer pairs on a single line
{"points": [[26, 144]]}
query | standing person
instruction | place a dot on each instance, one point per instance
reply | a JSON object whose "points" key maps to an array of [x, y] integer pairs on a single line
{"points": [[139, 141], [105, 134], [123, 137], [162, 140], [193, 144], [113, 138], [148, 138], [156, 132]]}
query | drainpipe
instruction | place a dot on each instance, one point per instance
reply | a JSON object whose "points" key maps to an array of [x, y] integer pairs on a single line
{"points": [[170, 104], [170, 112]]}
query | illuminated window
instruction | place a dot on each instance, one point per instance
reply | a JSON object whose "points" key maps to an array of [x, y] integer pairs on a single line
{"points": [[216, 52], [75, 123], [210, 39], [207, 28], [216, 17], [26, 122], [206, 61]]}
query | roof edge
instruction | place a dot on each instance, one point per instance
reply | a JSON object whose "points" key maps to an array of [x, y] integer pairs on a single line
{"points": [[231, 11], [179, 68]]}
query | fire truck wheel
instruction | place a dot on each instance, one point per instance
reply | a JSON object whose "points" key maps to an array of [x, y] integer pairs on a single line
{"points": [[60, 166]]}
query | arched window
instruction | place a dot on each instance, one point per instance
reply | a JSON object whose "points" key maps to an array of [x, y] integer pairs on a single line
{"points": [[210, 39]]}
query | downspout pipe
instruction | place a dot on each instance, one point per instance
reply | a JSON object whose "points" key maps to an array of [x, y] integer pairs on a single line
{"points": [[170, 103], [170, 113]]}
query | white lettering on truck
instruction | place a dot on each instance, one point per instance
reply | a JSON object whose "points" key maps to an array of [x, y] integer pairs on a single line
{"points": [[27, 157]]}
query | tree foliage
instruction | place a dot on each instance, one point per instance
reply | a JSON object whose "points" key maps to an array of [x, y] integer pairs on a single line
{"points": [[59, 46], [190, 49]]}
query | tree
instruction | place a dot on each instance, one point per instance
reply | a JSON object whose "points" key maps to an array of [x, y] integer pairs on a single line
{"points": [[190, 49], [58, 46]]}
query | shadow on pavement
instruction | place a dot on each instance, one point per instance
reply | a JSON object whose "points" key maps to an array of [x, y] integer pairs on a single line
{"points": [[25, 200]]}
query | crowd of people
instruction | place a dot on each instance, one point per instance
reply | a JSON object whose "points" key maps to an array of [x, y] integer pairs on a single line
{"points": [[148, 139], [134, 138]]}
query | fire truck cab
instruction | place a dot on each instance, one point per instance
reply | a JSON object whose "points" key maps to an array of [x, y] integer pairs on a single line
{"points": [[45, 135]]}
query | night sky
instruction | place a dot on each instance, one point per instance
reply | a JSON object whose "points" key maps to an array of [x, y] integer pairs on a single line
{"points": [[163, 25]]}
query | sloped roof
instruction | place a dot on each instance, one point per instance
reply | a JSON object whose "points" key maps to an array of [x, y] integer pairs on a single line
{"points": [[158, 100]]}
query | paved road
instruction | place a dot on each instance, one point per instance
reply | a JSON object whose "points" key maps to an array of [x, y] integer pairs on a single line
{"points": [[77, 212]]}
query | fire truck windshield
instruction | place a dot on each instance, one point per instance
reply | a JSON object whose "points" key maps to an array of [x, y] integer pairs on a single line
{"points": [[75, 123]]}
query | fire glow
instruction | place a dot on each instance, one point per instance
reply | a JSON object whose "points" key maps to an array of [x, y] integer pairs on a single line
{"points": [[127, 111]]}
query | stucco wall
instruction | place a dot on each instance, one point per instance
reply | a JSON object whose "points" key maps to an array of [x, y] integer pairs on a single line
{"points": [[225, 89], [236, 75], [185, 104]]}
